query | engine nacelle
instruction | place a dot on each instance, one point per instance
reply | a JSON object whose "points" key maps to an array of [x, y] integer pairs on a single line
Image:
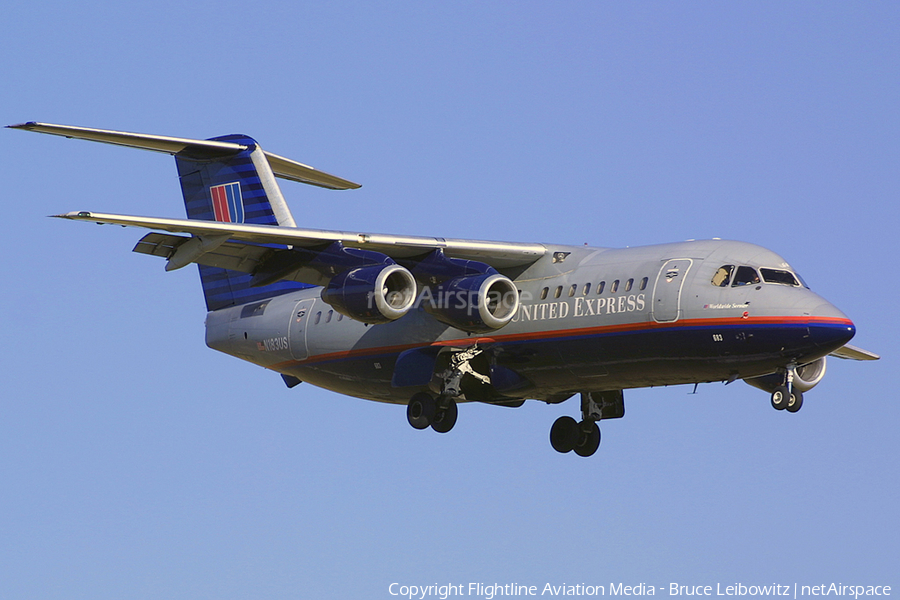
{"points": [[375, 294], [473, 303], [805, 378]]}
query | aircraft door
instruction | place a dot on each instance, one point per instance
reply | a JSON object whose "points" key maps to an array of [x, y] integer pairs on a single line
{"points": [[297, 328], [667, 291]]}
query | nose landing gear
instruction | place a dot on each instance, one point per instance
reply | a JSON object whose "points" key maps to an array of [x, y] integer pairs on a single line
{"points": [[785, 399], [786, 396]]}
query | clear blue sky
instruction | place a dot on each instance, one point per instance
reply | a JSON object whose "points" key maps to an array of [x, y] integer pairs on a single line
{"points": [[137, 463]]}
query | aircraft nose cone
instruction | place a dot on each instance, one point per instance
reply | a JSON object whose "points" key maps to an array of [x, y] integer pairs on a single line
{"points": [[830, 329]]}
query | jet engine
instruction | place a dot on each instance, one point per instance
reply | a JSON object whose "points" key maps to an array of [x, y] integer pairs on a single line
{"points": [[373, 294], [806, 377], [473, 303]]}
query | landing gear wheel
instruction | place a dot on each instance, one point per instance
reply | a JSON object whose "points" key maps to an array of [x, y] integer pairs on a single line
{"points": [[589, 441], [780, 397], [420, 410], [445, 418], [795, 401], [564, 434]]}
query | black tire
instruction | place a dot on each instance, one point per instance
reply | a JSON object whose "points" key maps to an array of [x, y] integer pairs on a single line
{"points": [[587, 442], [780, 397], [564, 434], [796, 402], [445, 418], [420, 410]]}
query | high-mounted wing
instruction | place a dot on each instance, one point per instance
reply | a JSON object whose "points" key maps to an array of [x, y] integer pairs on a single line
{"points": [[500, 255], [854, 353]]}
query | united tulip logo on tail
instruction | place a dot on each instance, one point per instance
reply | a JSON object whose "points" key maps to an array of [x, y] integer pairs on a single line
{"points": [[228, 205]]}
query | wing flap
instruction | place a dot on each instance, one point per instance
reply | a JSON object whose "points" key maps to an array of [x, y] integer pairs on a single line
{"points": [[244, 258], [159, 244]]}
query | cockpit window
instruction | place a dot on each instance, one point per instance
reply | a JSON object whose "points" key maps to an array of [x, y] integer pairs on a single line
{"points": [[779, 276], [745, 276], [723, 276]]}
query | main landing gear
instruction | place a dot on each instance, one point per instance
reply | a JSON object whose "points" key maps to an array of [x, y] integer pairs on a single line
{"points": [[583, 436], [424, 410], [567, 434], [440, 413]]}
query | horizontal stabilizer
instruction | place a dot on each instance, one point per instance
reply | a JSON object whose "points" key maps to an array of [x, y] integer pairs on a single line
{"points": [[281, 167], [854, 353]]}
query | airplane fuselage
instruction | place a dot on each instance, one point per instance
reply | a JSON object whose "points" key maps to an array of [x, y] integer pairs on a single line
{"points": [[588, 319]]}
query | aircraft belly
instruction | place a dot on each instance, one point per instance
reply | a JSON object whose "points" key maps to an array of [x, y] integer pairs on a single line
{"points": [[370, 380], [647, 358], [590, 362]]}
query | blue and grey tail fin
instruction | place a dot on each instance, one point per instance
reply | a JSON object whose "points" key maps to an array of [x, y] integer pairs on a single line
{"points": [[233, 187], [228, 179]]}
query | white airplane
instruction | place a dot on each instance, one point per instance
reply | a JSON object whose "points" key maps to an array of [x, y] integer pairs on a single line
{"points": [[432, 322]]}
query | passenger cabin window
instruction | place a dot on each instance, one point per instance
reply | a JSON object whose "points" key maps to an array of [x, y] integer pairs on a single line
{"points": [[644, 284], [600, 287], [587, 289], [745, 276], [723, 276], [558, 292], [573, 289], [628, 285], [615, 287], [779, 276], [544, 293]]}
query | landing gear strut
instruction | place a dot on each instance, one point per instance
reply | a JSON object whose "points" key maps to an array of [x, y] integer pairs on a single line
{"points": [[440, 413], [460, 365]]}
